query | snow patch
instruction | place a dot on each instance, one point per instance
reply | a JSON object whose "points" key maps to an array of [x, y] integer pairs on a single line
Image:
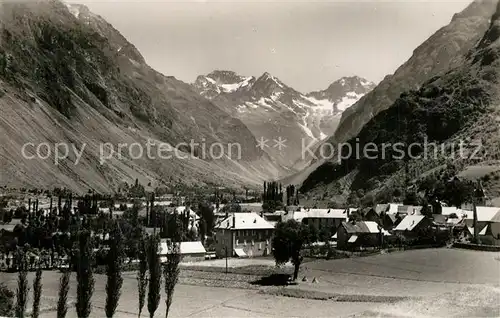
{"points": [[307, 131], [347, 101], [229, 88], [211, 80], [262, 101], [323, 104], [74, 10], [276, 95]]}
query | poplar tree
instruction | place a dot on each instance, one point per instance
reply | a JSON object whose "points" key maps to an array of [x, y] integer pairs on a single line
{"points": [[114, 272]]}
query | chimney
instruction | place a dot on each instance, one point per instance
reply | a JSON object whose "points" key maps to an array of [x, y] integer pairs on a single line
{"points": [[234, 221]]}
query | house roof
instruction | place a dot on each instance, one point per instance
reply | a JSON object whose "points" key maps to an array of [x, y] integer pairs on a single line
{"points": [[194, 247], [182, 209], [7, 227], [484, 214], [409, 209], [353, 239], [320, 214], [387, 208], [448, 210], [379, 208], [481, 232], [409, 222], [251, 207], [244, 221], [439, 218], [360, 227]]}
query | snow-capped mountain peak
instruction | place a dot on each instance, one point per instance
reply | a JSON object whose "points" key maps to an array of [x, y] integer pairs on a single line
{"points": [[343, 93], [272, 109]]}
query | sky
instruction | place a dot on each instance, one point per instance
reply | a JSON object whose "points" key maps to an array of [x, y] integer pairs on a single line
{"points": [[306, 44]]}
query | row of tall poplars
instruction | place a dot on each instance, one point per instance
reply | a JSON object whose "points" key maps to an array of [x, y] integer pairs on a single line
{"points": [[23, 286], [150, 275]]}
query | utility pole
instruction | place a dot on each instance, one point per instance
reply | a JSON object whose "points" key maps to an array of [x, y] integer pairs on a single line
{"points": [[478, 193], [225, 248]]}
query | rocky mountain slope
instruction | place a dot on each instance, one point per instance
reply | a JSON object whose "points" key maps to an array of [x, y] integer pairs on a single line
{"points": [[458, 112], [67, 76], [272, 109], [443, 51]]}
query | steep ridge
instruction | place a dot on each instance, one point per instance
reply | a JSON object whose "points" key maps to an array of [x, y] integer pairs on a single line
{"points": [[443, 51], [460, 108], [67, 76], [272, 109]]}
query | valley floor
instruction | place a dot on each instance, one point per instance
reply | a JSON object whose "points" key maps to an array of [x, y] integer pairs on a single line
{"points": [[418, 283]]}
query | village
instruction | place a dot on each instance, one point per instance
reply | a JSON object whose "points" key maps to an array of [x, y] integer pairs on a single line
{"points": [[218, 226]]}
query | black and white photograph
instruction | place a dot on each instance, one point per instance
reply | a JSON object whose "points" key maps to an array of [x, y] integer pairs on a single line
{"points": [[249, 158]]}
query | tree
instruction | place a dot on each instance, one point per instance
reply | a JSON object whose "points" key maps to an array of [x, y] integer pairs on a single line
{"points": [[411, 198], [313, 233], [114, 271], [154, 266], [207, 215], [37, 292], [6, 301], [84, 276], [62, 303], [171, 272], [288, 240], [142, 282], [22, 282]]}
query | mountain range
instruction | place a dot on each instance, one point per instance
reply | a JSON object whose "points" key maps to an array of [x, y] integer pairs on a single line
{"points": [[272, 109], [68, 77]]}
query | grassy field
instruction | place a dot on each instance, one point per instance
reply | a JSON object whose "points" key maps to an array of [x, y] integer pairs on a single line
{"points": [[418, 283]]}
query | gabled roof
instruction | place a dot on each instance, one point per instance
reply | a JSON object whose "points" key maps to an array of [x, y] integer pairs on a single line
{"points": [[448, 210], [484, 214], [243, 221], [360, 227], [194, 247], [439, 218], [409, 222], [324, 213], [314, 213]]}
